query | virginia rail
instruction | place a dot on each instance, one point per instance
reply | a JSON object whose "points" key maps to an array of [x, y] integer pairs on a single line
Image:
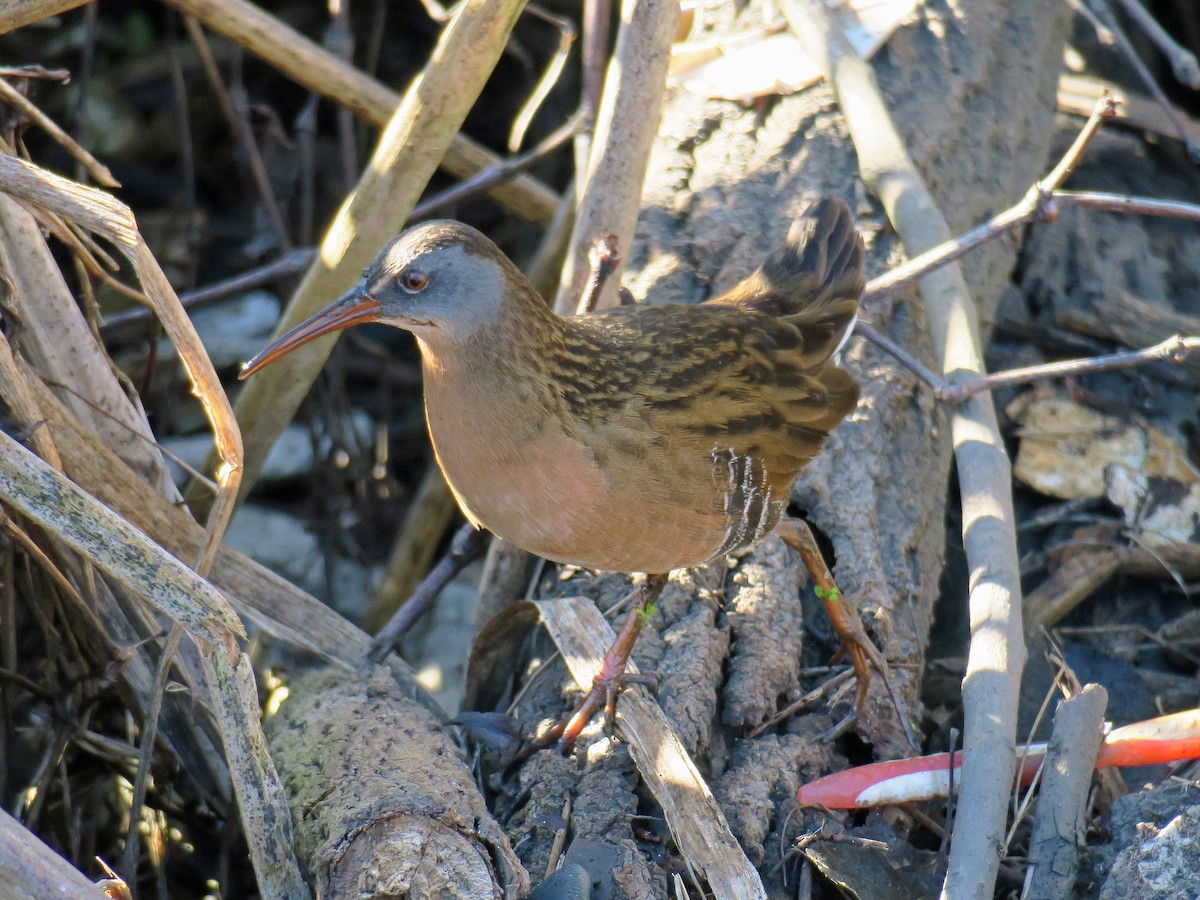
{"points": [[639, 439]]}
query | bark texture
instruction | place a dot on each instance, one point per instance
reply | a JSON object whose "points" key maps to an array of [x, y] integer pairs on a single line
{"points": [[973, 84], [382, 799]]}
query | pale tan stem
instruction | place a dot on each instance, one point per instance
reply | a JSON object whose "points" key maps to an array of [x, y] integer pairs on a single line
{"points": [[625, 128], [406, 156], [324, 73], [997, 652], [15, 13]]}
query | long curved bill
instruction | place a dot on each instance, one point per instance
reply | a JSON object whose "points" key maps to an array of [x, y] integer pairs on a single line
{"points": [[352, 308]]}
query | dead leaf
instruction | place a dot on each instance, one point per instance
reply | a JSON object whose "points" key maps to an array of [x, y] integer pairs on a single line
{"points": [[1065, 448]]}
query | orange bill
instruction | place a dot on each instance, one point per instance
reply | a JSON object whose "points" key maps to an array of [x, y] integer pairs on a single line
{"points": [[352, 308]]}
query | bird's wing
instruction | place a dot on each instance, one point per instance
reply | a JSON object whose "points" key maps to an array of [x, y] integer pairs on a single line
{"points": [[812, 281], [685, 381]]}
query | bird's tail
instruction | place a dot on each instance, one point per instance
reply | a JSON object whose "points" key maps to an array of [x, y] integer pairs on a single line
{"points": [[813, 280]]}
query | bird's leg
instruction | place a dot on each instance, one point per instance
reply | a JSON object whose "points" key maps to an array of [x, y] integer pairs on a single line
{"points": [[611, 677], [856, 644]]}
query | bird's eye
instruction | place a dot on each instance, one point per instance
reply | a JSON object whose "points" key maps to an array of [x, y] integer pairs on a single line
{"points": [[414, 280]]}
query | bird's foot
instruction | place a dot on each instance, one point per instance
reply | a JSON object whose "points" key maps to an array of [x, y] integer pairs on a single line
{"points": [[609, 680], [606, 687], [856, 644]]}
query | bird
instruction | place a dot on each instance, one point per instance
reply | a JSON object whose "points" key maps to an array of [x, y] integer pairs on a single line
{"points": [[642, 439]]}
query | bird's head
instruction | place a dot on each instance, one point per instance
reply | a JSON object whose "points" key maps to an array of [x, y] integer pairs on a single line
{"points": [[441, 280]]}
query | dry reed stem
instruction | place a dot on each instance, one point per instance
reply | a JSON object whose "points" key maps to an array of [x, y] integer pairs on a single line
{"points": [[262, 800], [103, 215], [15, 13], [59, 342], [324, 73], [626, 124], [406, 156], [28, 868], [23, 407], [997, 650]]}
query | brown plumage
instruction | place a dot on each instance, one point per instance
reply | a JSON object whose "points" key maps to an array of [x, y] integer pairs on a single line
{"points": [[642, 439]]}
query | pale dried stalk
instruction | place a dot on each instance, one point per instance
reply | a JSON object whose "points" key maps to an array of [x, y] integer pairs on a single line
{"points": [[112, 219], [324, 73], [997, 651], [94, 167], [24, 408], [118, 549], [15, 13], [581, 633], [620, 148], [130, 557], [262, 800], [405, 158], [28, 868]]}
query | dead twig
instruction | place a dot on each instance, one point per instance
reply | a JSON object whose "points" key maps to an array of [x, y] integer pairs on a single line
{"points": [[94, 167], [1042, 202], [1081, 575], [488, 178], [288, 264], [1183, 62], [1032, 205], [406, 156], [625, 127], [1104, 13], [1173, 349], [322, 72], [1058, 829], [997, 649]]}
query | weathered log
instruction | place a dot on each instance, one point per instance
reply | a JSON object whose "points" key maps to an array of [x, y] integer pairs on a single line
{"points": [[976, 102], [383, 802]]}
